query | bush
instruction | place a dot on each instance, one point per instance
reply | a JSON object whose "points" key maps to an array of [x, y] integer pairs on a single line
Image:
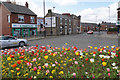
{"points": [[112, 29]]}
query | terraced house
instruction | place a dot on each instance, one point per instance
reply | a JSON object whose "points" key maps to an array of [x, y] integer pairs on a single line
{"points": [[17, 20], [62, 24]]}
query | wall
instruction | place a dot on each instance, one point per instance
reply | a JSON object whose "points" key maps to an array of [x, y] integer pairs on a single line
{"points": [[5, 25], [0, 19]]}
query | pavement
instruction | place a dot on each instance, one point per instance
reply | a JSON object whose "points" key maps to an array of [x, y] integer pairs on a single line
{"points": [[38, 38]]}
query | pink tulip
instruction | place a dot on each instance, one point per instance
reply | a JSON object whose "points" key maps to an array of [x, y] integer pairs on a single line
{"points": [[56, 62], [46, 65], [39, 67], [108, 74], [34, 59], [74, 74], [65, 53], [108, 69], [47, 71], [73, 58], [83, 65], [61, 55], [39, 59], [76, 62], [28, 64]]}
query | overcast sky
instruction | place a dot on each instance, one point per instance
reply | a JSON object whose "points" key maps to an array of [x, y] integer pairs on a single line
{"points": [[90, 10]]}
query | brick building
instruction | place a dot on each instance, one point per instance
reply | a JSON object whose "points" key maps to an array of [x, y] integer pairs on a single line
{"points": [[17, 20], [118, 17], [88, 26], [62, 24], [107, 25]]}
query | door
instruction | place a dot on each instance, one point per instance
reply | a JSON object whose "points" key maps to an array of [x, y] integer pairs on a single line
{"points": [[65, 30]]}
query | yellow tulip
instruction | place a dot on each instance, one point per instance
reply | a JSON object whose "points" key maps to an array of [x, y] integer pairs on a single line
{"points": [[104, 63], [8, 58], [46, 57]]}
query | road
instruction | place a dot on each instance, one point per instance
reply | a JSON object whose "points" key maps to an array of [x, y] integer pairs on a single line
{"points": [[79, 40]]}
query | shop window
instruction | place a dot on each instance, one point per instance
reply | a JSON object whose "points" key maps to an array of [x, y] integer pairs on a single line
{"points": [[20, 18], [32, 19], [8, 18]]}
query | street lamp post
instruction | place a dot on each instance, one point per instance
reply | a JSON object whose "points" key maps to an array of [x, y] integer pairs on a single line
{"points": [[51, 22], [44, 17], [109, 13]]}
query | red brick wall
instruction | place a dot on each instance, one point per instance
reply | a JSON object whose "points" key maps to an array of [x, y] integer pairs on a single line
{"points": [[5, 24], [14, 19], [0, 19]]}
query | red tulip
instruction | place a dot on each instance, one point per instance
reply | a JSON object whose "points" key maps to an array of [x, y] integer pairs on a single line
{"points": [[13, 53], [12, 56], [16, 50], [116, 55], [35, 68], [19, 61], [14, 65], [103, 59], [86, 59], [36, 45], [5, 53], [119, 52]]}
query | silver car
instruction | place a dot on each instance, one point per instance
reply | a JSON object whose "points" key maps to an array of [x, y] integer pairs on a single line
{"points": [[8, 41]]}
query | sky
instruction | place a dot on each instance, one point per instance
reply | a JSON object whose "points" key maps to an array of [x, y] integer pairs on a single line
{"points": [[93, 11]]}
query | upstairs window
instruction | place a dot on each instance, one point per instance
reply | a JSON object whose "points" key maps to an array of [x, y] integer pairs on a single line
{"points": [[20, 18], [8, 18], [32, 19], [69, 22], [65, 21], [60, 20]]}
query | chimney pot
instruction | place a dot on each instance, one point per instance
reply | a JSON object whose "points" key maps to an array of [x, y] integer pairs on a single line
{"points": [[26, 4]]}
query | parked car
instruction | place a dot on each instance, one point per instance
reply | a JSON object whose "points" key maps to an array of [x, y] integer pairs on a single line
{"points": [[90, 32], [9, 41]]}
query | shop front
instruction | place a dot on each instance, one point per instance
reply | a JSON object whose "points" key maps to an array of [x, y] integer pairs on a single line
{"points": [[24, 30]]}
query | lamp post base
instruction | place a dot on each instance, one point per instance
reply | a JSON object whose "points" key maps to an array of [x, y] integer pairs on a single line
{"points": [[51, 33], [118, 39]]}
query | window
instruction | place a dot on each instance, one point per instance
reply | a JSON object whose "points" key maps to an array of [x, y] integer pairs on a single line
{"points": [[69, 22], [20, 18], [60, 20], [8, 18], [65, 21], [32, 19]]}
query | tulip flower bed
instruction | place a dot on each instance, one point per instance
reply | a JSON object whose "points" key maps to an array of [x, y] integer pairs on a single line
{"points": [[49, 62]]}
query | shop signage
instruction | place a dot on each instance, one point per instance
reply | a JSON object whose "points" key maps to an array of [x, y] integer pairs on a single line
{"points": [[118, 23], [48, 21], [14, 25]]}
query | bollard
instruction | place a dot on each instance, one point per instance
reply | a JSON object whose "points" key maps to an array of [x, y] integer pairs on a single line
{"points": [[118, 39]]}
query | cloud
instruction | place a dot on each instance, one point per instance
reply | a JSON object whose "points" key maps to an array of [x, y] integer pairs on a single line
{"points": [[102, 13], [65, 2]]}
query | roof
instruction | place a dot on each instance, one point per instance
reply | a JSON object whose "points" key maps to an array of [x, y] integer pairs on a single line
{"points": [[14, 8], [118, 9], [88, 24], [61, 16]]}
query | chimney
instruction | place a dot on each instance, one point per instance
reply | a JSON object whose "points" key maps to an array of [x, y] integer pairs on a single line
{"points": [[49, 11], [8, 1], [67, 14], [26, 4]]}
